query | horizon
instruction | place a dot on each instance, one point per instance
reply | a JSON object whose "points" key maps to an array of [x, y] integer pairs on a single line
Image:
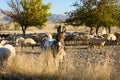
{"points": [[58, 7]]}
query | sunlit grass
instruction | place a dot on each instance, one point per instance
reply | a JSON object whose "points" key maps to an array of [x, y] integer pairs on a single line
{"points": [[44, 66]]}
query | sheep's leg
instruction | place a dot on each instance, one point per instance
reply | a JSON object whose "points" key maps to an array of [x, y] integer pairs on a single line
{"points": [[33, 50], [21, 47], [75, 42], [90, 45], [32, 46]]}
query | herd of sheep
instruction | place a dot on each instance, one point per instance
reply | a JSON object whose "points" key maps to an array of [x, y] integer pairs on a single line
{"points": [[9, 41], [94, 39], [7, 50]]}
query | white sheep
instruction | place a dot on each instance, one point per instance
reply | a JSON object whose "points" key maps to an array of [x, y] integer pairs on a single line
{"points": [[29, 41], [24, 42], [3, 42], [110, 38], [103, 31], [96, 42], [7, 52], [20, 41], [49, 37]]}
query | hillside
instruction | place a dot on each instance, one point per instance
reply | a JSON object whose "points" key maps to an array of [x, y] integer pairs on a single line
{"points": [[55, 17], [4, 19]]}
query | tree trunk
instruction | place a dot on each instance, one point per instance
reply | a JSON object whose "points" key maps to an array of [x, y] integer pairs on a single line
{"points": [[91, 29], [24, 31], [97, 28], [109, 28]]}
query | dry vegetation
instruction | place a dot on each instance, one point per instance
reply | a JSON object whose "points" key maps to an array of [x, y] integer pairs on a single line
{"points": [[80, 63]]}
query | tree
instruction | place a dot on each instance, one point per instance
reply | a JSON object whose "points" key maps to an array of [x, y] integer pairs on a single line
{"points": [[83, 15], [28, 13], [95, 13], [106, 14]]}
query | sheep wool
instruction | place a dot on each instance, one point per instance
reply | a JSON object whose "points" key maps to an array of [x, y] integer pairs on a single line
{"points": [[29, 41], [7, 52]]}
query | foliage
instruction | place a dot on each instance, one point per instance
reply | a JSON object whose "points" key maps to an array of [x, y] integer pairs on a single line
{"points": [[105, 14], [94, 13], [28, 12]]}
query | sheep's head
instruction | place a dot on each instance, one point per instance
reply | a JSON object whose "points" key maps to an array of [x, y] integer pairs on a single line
{"points": [[3, 42], [49, 36], [19, 41]]}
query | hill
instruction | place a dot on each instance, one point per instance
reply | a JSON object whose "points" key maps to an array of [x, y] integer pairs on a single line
{"points": [[55, 17], [4, 19]]}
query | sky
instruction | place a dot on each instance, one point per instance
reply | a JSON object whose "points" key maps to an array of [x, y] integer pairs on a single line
{"points": [[58, 6]]}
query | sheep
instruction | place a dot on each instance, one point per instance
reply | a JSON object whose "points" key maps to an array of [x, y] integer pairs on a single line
{"points": [[7, 51], [25, 42], [3, 42], [110, 38], [117, 34], [85, 38], [103, 31], [4, 36], [20, 41], [68, 36], [100, 42], [76, 38], [29, 41], [49, 37]]}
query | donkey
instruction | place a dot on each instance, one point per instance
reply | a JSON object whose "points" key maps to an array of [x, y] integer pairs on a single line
{"points": [[55, 45]]}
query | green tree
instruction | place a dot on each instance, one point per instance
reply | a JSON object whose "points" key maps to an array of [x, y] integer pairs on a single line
{"points": [[95, 13], [83, 15], [106, 14], [28, 13]]}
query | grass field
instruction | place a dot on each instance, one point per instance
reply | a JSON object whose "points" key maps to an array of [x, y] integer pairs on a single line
{"points": [[80, 63]]}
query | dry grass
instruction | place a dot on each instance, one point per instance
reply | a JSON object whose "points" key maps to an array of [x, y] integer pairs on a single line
{"points": [[79, 64], [32, 64]]}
